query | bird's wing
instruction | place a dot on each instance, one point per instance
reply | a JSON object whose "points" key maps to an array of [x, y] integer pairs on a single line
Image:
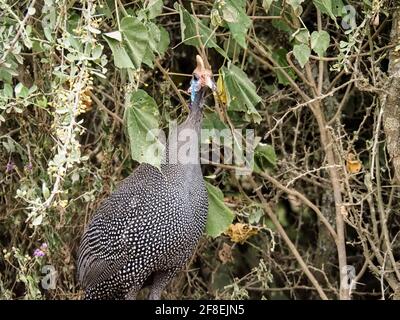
{"points": [[106, 246], [101, 251]]}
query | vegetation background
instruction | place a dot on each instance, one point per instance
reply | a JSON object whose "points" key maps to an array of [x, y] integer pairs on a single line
{"points": [[81, 82]]}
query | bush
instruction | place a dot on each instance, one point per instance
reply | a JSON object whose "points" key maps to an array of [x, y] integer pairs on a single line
{"points": [[316, 81]]}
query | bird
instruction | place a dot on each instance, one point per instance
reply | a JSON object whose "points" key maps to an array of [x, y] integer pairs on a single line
{"points": [[149, 227]]}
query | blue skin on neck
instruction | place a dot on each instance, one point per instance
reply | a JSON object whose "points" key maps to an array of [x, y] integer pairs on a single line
{"points": [[194, 89]]}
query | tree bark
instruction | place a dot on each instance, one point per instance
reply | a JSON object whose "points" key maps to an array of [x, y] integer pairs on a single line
{"points": [[390, 100]]}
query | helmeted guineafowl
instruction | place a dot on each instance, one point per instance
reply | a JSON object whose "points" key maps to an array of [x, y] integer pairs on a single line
{"points": [[150, 226]]}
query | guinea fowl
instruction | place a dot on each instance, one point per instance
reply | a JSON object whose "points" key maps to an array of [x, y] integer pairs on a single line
{"points": [[148, 228]]}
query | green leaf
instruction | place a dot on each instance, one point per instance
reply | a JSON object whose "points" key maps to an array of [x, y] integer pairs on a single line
{"points": [[266, 4], [158, 38], [8, 91], [337, 8], [215, 17], [97, 52], [142, 119], [280, 24], [265, 156], [154, 8], [21, 91], [32, 89], [325, 6], [295, 4], [136, 43], [302, 53], [153, 41], [38, 220], [116, 35], [280, 57], [229, 13], [320, 42], [234, 13], [212, 121], [302, 35], [231, 47], [121, 57], [195, 33], [164, 41], [149, 57], [240, 92], [219, 215], [136, 39], [333, 8], [256, 215], [158, 43], [45, 190], [154, 35]]}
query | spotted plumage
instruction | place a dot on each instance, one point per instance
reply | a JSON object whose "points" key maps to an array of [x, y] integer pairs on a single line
{"points": [[149, 227]]}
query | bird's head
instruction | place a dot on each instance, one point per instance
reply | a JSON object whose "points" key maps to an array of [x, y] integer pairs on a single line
{"points": [[202, 79]]}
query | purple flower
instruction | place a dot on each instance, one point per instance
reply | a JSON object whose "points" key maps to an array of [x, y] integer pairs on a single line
{"points": [[10, 166], [29, 166], [38, 253], [43, 246]]}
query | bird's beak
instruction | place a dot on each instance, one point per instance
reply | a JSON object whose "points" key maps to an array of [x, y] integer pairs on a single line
{"points": [[210, 83], [205, 74]]}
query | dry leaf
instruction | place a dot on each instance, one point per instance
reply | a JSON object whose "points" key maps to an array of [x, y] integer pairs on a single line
{"points": [[240, 232], [353, 165], [225, 254], [221, 90], [375, 20], [86, 100]]}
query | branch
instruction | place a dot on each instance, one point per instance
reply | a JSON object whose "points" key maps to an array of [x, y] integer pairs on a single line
{"points": [[304, 199], [390, 100], [285, 237], [18, 35], [166, 75]]}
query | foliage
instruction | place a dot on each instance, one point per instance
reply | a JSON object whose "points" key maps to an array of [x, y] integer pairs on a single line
{"points": [[82, 83], [142, 124], [220, 216]]}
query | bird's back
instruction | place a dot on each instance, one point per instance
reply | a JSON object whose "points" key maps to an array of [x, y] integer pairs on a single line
{"points": [[152, 221]]}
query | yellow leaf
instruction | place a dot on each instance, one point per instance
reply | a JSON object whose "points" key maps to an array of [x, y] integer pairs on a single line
{"points": [[221, 90], [353, 165], [240, 232], [63, 203]]}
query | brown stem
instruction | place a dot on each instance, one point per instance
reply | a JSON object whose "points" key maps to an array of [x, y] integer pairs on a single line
{"points": [[327, 143], [288, 242], [166, 75], [304, 200]]}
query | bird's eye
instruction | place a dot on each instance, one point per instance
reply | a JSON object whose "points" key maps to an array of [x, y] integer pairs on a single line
{"points": [[195, 77]]}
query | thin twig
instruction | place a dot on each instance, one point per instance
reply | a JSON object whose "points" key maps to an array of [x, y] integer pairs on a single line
{"points": [[304, 199], [287, 240], [19, 32], [168, 78], [103, 107]]}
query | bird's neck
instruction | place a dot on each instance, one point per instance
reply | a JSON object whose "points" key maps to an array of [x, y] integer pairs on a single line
{"points": [[195, 114], [193, 120], [184, 140]]}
